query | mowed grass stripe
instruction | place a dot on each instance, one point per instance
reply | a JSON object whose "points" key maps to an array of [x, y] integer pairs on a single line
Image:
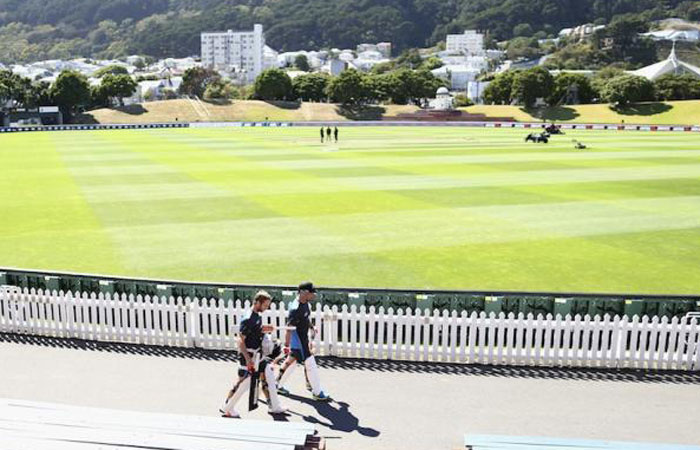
{"points": [[294, 228], [135, 207], [298, 184], [377, 232], [257, 177], [613, 263], [401, 207], [46, 221]]}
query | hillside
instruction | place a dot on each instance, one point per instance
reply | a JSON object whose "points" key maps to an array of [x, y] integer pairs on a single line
{"points": [[242, 110], [670, 113], [37, 29]]}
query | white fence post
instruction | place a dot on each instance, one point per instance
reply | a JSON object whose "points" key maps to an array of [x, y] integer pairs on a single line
{"points": [[192, 307], [366, 332]]}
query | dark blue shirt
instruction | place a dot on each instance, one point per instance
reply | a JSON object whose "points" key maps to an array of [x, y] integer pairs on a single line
{"points": [[299, 317], [251, 328]]}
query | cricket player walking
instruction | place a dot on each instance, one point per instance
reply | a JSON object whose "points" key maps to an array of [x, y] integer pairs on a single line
{"points": [[252, 349], [297, 346]]}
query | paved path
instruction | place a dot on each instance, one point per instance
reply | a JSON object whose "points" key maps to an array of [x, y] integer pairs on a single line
{"points": [[380, 405]]}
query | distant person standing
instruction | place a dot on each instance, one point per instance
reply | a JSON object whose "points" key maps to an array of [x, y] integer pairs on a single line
{"points": [[328, 134], [321, 135], [335, 134]]}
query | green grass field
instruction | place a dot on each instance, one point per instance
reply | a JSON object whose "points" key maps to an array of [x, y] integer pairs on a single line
{"points": [[387, 207]]}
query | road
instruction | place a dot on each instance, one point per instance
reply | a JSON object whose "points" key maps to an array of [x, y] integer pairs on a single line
{"points": [[378, 405]]}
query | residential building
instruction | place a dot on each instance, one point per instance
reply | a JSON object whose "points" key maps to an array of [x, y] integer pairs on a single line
{"points": [[368, 59], [470, 42], [314, 58], [270, 57], [335, 67], [580, 32], [153, 90], [383, 47], [240, 52], [459, 76], [475, 91]]}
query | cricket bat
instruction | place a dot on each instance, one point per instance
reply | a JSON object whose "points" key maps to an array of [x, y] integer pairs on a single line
{"points": [[254, 384]]}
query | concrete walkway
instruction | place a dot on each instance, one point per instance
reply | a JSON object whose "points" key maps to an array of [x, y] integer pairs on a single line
{"points": [[379, 405]]}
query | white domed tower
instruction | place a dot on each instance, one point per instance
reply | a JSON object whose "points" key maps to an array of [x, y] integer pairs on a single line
{"points": [[443, 100]]}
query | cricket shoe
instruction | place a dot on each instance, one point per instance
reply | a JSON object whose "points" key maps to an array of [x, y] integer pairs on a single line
{"points": [[277, 411], [281, 390], [309, 388], [230, 414], [322, 397]]}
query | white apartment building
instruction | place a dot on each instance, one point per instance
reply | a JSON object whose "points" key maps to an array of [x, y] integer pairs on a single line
{"points": [[383, 47], [471, 43], [240, 52]]}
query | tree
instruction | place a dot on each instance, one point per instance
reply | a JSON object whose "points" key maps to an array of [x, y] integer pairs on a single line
{"points": [[70, 91], [500, 89], [140, 64], [98, 99], [382, 86], [39, 94], [350, 87], [311, 87], [118, 86], [273, 84], [113, 69], [601, 78], [523, 30], [462, 101], [568, 84], [302, 63], [168, 93], [409, 58], [196, 79], [14, 88], [677, 87], [418, 85], [4, 93], [20, 91], [625, 43], [220, 90], [432, 63], [529, 85], [577, 55], [523, 48], [627, 89]]}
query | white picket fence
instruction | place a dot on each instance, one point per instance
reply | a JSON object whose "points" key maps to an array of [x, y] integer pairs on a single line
{"points": [[371, 333]]}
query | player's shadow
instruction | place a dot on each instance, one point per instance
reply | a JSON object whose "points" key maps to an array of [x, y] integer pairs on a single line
{"points": [[337, 419]]}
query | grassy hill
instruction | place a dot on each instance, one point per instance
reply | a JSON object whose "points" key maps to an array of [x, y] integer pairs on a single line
{"points": [[32, 30], [681, 112], [243, 110], [667, 113]]}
